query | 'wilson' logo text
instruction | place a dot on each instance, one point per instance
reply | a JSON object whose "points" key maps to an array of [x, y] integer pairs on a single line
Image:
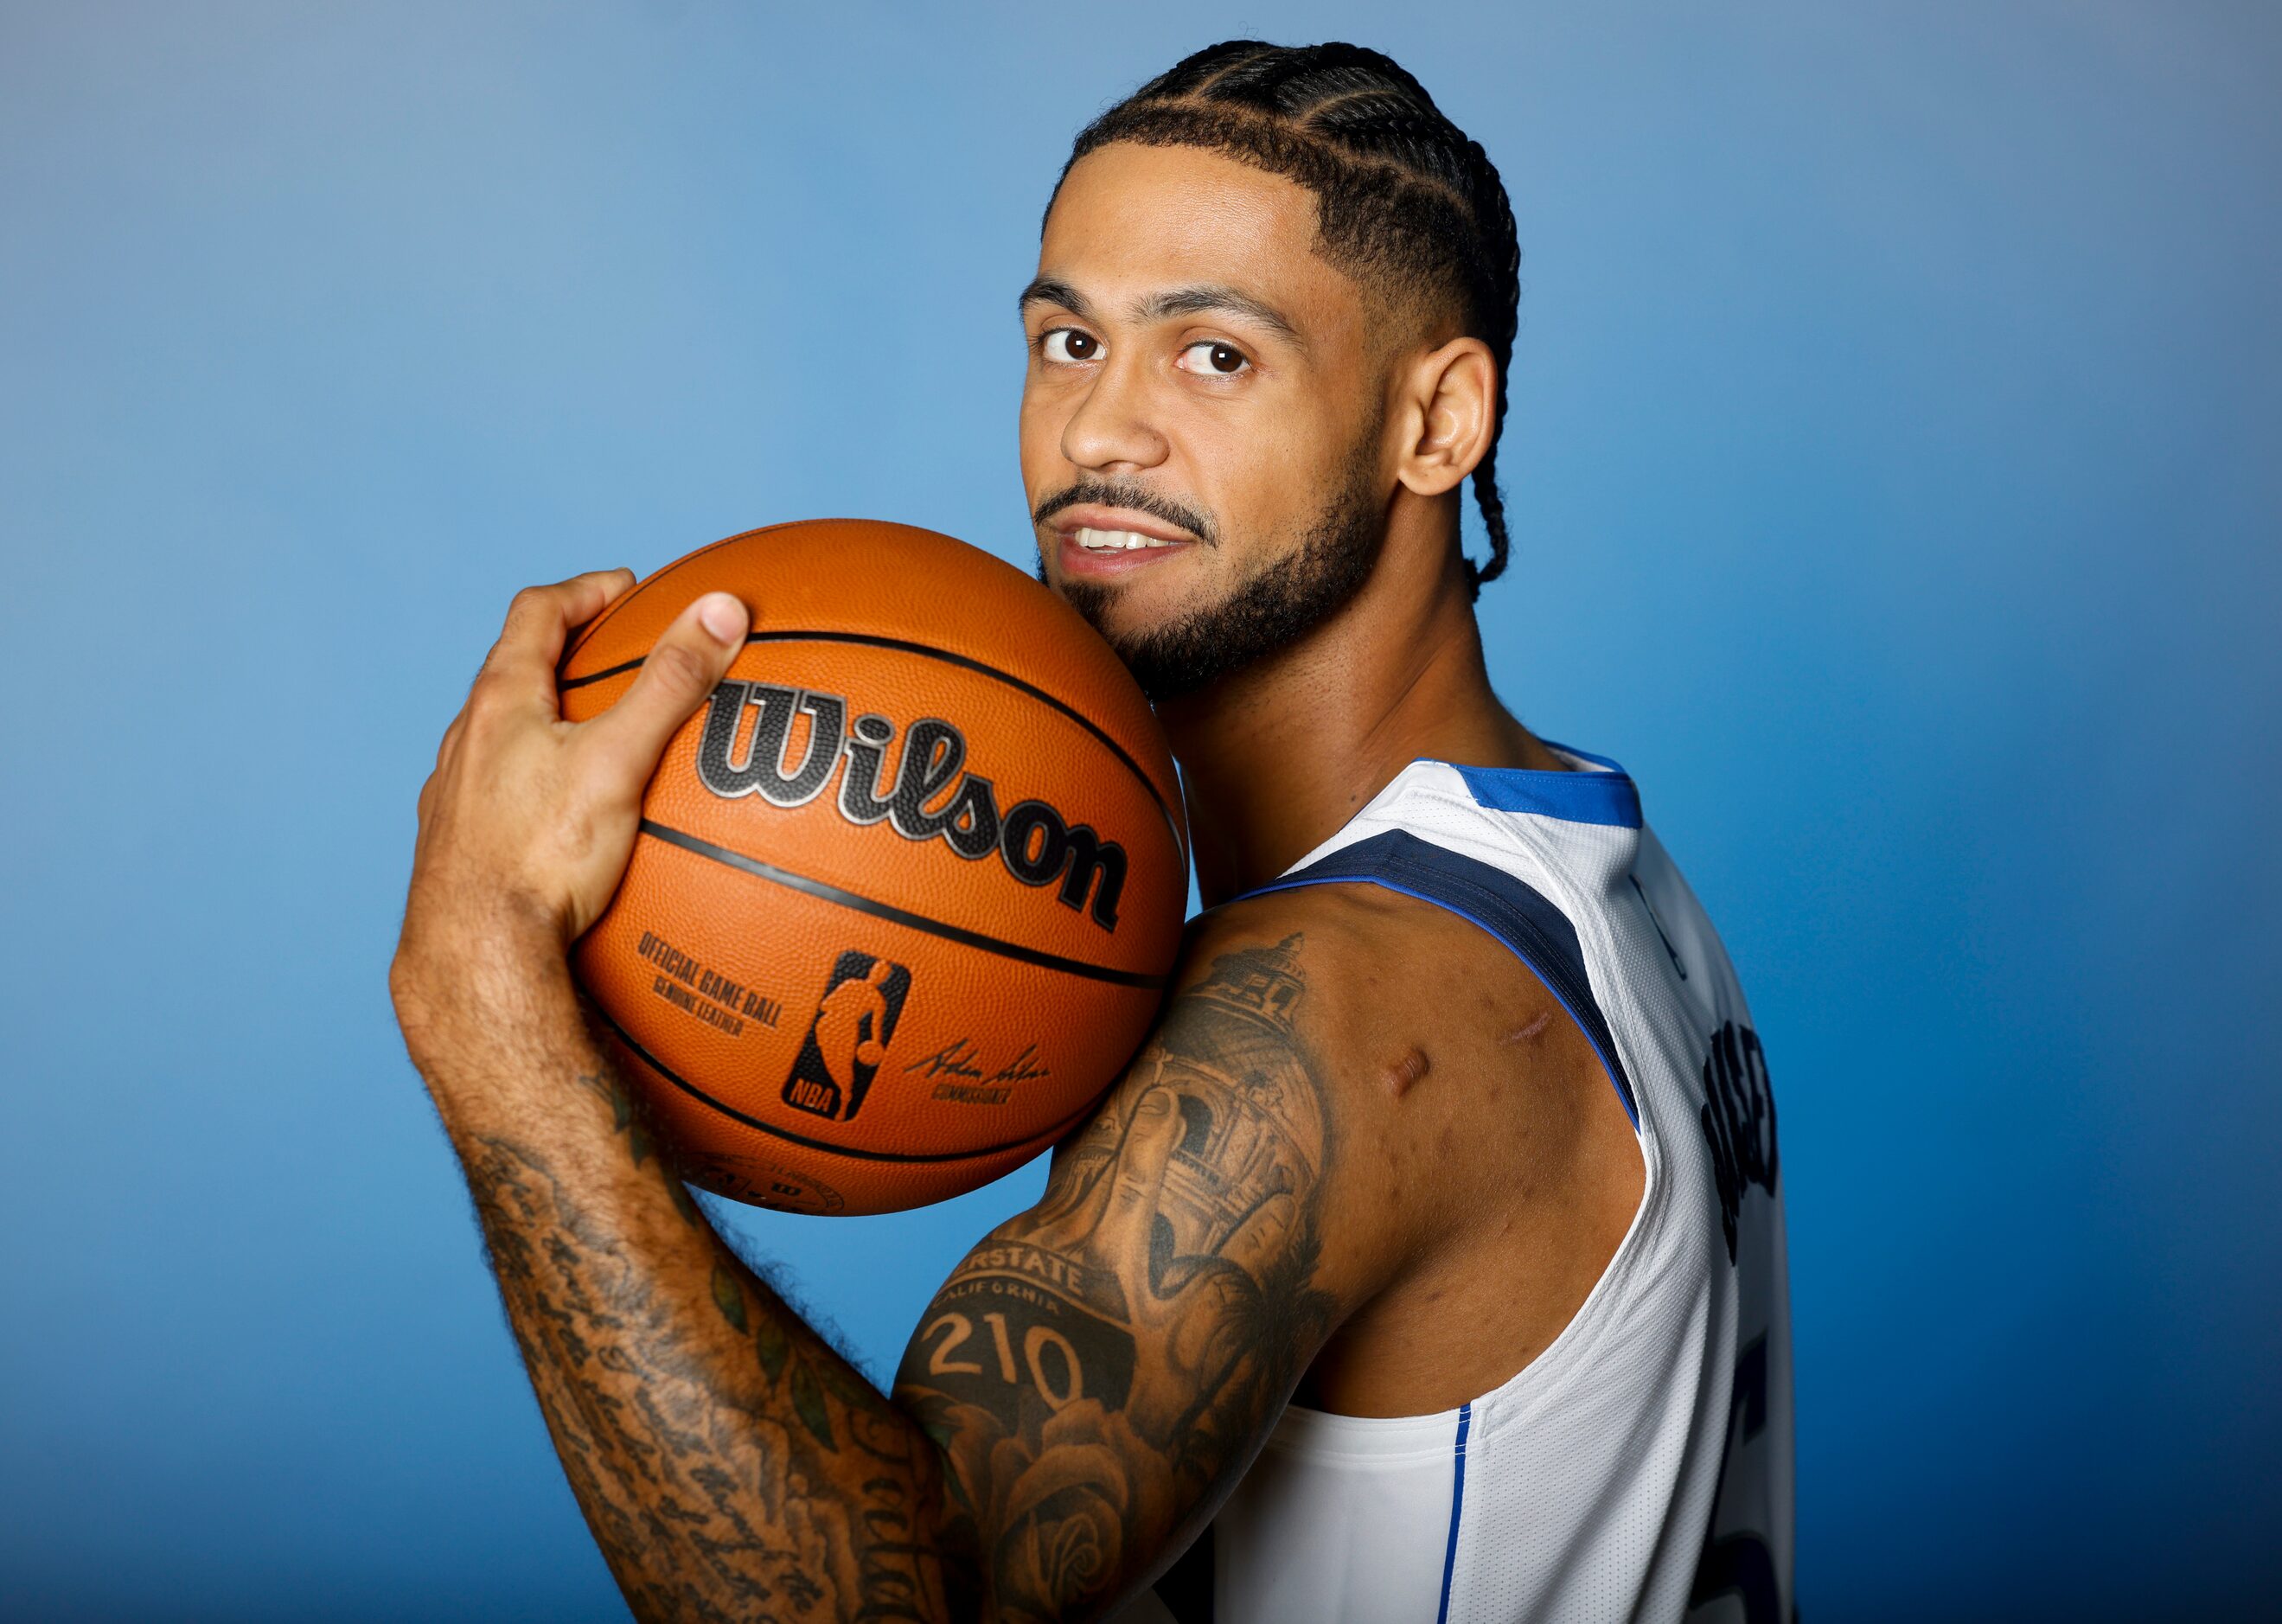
{"points": [[933, 797]]}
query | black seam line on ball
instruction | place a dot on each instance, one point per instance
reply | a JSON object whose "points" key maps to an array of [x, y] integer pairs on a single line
{"points": [[933, 652], [901, 916], [1040, 1139]]}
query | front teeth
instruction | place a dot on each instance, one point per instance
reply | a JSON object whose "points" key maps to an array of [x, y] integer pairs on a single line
{"points": [[1115, 541]]}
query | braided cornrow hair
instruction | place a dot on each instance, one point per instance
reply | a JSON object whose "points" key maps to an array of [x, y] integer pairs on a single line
{"points": [[1404, 197]]}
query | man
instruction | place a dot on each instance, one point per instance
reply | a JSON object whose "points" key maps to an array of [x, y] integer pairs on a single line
{"points": [[1485, 1315]]}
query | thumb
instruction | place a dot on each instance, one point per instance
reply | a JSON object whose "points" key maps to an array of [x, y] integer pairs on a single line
{"points": [[689, 658]]}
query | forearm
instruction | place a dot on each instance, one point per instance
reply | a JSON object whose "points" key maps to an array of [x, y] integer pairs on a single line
{"points": [[730, 1463]]}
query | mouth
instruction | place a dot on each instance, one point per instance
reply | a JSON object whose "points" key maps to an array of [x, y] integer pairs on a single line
{"points": [[1114, 540], [1106, 541]]}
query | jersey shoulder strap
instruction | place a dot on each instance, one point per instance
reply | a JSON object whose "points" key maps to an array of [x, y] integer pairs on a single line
{"points": [[1504, 904]]}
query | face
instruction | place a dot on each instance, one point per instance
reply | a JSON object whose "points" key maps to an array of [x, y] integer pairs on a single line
{"points": [[1202, 412]]}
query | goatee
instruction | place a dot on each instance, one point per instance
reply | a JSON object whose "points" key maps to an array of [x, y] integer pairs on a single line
{"points": [[1267, 611]]}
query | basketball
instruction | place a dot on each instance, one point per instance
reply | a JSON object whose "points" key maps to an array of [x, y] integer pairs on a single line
{"points": [[908, 886]]}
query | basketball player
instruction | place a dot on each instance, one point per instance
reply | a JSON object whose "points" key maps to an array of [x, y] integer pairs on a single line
{"points": [[1427, 1263]]}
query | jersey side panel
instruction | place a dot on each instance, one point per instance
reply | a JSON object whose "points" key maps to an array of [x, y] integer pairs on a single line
{"points": [[1354, 1527]]}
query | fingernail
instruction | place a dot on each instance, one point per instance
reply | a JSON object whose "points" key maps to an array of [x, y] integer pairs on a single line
{"points": [[722, 614]]}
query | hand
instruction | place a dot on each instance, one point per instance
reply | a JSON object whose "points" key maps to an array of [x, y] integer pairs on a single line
{"points": [[527, 822], [1194, 1315]]}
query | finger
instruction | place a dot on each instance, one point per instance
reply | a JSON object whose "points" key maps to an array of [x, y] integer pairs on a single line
{"points": [[451, 737], [538, 623], [1156, 1128], [688, 659], [428, 788], [1091, 1170]]}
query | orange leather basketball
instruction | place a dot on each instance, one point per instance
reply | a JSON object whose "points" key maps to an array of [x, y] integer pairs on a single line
{"points": [[908, 887]]}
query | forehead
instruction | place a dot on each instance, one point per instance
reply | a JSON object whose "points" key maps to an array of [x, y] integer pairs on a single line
{"points": [[1132, 219]]}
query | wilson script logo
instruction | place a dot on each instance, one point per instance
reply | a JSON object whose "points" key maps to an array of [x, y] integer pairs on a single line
{"points": [[932, 797]]}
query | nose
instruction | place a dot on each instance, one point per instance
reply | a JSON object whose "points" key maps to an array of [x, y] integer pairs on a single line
{"points": [[1110, 431]]}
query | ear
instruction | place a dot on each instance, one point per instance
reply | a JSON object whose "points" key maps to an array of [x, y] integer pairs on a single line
{"points": [[1449, 401]]}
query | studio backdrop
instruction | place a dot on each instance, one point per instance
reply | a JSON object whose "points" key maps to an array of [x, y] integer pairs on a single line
{"points": [[1893, 465]]}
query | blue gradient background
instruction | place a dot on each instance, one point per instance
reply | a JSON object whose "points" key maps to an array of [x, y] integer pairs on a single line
{"points": [[1895, 460]]}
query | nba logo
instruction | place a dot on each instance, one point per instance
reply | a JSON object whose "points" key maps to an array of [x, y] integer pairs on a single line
{"points": [[855, 1022]]}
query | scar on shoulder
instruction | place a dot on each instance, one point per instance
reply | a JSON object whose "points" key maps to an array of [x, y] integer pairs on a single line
{"points": [[1404, 1071], [1523, 1034]]}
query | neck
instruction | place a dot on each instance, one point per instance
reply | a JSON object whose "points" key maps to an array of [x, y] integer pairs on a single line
{"points": [[1274, 758]]}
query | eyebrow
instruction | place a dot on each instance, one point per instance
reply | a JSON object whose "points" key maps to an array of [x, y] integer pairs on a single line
{"points": [[1211, 297], [1197, 301], [1054, 291]]}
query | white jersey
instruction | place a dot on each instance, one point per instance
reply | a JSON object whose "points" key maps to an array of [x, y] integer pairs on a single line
{"points": [[1640, 1466]]}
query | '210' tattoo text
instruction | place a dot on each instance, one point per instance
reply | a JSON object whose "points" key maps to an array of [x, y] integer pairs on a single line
{"points": [[1048, 1360]]}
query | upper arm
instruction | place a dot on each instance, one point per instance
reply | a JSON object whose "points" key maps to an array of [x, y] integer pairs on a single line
{"points": [[1101, 1369]]}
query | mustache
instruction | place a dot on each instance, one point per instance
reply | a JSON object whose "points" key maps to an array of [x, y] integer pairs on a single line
{"points": [[1137, 498]]}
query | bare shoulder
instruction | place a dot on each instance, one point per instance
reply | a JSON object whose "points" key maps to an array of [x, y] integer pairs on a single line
{"points": [[1485, 1170], [1429, 1072], [1415, 1011]]}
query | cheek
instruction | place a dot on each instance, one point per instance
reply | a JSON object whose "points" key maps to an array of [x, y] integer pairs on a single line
{"points": [[1038, 435], [1263, 476]]}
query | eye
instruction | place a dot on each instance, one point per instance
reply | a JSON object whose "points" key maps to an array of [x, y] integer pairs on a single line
{"points": [[1067, 344], [1211, 357]]}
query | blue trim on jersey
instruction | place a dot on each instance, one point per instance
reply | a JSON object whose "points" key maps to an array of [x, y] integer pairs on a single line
{"points": [[1514, 911], [1457, 1505], [1608, 798], [1582, 755]]}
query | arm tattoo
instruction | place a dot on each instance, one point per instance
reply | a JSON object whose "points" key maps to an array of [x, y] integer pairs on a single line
{"points": [[1083, 1392], [730, 1463], [1102, 1368]]}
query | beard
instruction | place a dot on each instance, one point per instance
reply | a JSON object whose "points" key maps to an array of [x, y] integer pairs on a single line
{"points": [[1266, 613]]}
